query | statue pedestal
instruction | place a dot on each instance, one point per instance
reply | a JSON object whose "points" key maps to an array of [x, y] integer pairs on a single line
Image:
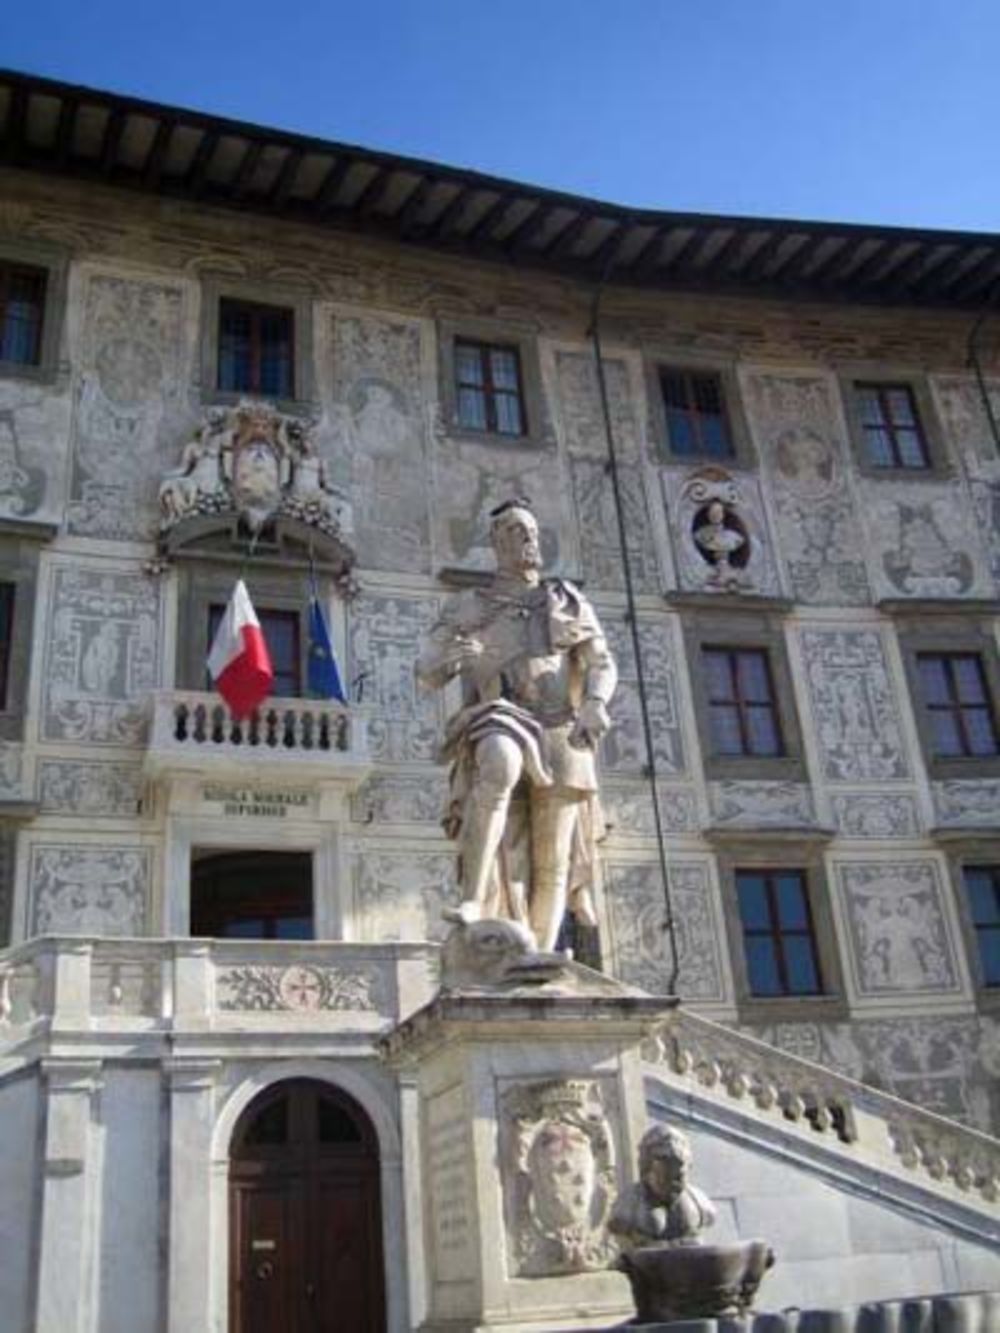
{"points": [[530, 1109]]}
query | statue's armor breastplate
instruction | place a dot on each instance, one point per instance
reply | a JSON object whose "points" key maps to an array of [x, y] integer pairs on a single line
{"points": [[518, 662]]}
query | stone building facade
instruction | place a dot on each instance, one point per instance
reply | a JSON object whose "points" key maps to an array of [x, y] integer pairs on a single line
{"points": [[844, 574]]}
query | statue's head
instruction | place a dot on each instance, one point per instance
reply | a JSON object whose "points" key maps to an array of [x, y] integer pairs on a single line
{"points": [[514, 534], [664, 1163]]}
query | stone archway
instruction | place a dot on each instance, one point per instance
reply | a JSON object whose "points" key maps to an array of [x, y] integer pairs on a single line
{"points": [[305, 1240]]}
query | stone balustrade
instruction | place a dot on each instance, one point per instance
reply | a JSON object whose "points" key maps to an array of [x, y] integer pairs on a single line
{"points": [[308, 736], [716, 1064], [67, 985]]}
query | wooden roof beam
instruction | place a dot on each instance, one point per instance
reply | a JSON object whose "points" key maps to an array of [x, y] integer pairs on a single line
{"points": [[979, 275], [832, 262], [326, 196], [286, 177], [947, 274], [244, 173], [113, 132], [685, 258], [763, 255], [914, 268], [490, 218], [369, 198], [152, 168], [873, 263], [17, 115], [721, 261], [65, 128], [451, 215], [410, 208], [788, 273], [195, 179], [563, 243], [528, 228], [648, 256]]}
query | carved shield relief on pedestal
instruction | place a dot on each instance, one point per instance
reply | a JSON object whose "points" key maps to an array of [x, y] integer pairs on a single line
{"points": [[558, 1175]]}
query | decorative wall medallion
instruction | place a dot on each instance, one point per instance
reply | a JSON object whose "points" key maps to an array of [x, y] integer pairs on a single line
{"points": [[381, 636], [623, 748], [967, 804], [22, 487], [856, 713], [400, 895], [96, 789], [866, 815], [900, 942], [925, 557], [797, 425], [102, 656], [628, 810], [758, 804], [302, 988], [380, 425], [636, 902], [558, 1172], [128, 400], [81, 890], [390, 799]]}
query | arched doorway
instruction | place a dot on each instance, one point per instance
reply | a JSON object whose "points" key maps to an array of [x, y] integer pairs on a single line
{"points": [[305, 1222]]}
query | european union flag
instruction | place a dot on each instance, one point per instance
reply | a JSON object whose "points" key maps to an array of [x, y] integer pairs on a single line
{"points": [[324, 678]]}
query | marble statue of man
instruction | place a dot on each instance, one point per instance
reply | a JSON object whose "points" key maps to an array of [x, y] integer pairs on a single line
{"points": [[537, 677]]}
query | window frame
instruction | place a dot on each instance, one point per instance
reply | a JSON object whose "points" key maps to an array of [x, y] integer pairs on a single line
{"points": [[537, 429], [775, 933], [742, 705], [53, 261], [955, 706], [204, 585], [695, 416], [256, 310], [742, 628], [875, 375], [754, 854], [659, 360], [950, 632], [215, 289], [488, 388], [20, 549], [10, 269], [965, 851], [265, 610]]}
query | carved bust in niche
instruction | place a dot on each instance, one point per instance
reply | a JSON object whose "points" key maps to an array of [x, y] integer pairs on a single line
{"points": [[717, 545]]}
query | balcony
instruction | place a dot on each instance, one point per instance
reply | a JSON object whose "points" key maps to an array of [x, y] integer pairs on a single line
{"points": [[147, 990], [195, 732]]}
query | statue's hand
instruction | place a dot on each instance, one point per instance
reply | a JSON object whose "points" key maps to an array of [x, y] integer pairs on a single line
{"points": [[592, 722]]}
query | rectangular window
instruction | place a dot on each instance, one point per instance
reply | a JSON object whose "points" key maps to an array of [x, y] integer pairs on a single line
{"points": [[890, 425], [958, 705], [488, 388], [256, 345], [281, 633], [778, 936], [22, 308], [982, 885], [742, 711], [6, 638], [697, 421]]}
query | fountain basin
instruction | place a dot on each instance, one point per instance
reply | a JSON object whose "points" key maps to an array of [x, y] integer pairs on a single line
{"points": [[695, 1281]]}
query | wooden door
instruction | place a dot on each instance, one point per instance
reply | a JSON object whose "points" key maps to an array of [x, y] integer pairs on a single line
{"points": [[305, 1223]]}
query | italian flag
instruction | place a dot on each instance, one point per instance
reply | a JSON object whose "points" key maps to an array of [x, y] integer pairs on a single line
{"points": [[239, 662]]}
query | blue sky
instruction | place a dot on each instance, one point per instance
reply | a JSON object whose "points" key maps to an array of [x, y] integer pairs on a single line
{"points": [[860, 110]]}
